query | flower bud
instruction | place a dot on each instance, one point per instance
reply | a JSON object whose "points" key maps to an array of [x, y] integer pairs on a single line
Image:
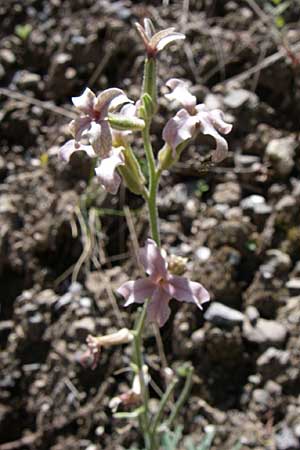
{"points": [[122, 122], [177, 265], [131, 172], [149, 81], [146, 110]]}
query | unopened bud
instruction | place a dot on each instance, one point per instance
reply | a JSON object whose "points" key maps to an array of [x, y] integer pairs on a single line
{"points": [[122, 122], [131, 172], [177, 265], [149, 81]]}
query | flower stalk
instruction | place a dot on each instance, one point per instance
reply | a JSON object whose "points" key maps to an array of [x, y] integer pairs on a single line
{"points": [[103, 130]]}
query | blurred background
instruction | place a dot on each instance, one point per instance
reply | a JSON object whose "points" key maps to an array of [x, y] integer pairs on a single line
{"points": [[65, 245]]}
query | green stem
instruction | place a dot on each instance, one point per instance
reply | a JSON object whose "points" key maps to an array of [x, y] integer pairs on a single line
{"points": [[182, 398], [153, 185], [157, 418], [138, 359]]}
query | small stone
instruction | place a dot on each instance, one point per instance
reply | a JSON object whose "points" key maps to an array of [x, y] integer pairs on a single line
{"points": [[86, 302], [285, 203], [293, 285], [27, 80], [246, 161], [261, 396], [286, 439], [203, 254], [198, 337], [281, 152], [222, 315], [36, 327], [277, 263], [237, 98], [75, 288], [63, 302], [265, 333], [228, 193], [82, 328], [272, 362], [7, 56], [251, 202], [252, 314], [274, 389]]}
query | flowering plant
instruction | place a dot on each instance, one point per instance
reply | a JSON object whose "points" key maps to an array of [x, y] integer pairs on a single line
{"points": [[102, 130]]}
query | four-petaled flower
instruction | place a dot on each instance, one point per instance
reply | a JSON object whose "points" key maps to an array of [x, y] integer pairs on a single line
{"points": [[155, 42], [193, 118], [160, 286], [93, 121]]}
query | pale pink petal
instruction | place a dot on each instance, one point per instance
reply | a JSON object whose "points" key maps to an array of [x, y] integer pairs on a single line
{"points": [[152, 260], [137, 291], [148, 28], [106, 171], [217, 117], [184, 290], [179, 128], [106, 97], [157, 37], [168, 39], [158, 310], [78, 126], [85, 102], [72, 146], [211, 123], [119, 101], [143, 33], [181, 94], [100, 138]]}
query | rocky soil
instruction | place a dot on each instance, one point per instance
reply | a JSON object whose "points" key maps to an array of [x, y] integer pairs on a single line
{"points": [[65, 244]]}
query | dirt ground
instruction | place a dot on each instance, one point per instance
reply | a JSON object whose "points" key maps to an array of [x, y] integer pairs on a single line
{"points": [[65, 245]]}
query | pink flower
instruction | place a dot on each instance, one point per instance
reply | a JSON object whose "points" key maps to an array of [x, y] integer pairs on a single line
{"points": [[93, 119], [106, 171], [193, 118], [72, 146], [160, 286], [155, 42]]}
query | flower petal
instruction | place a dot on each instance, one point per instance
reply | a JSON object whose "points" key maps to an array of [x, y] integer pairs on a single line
{"points": [[78, 126], [100, 138], [166, 40], [136, 291], [153, 262], [185, 290], [149, 28], [181, 94], [73, 146], [85, 102], [211, 123], [179, 128], [105, 100], [158, 308], [107, 173]]}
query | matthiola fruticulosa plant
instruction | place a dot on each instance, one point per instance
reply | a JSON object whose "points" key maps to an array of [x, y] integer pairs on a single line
{"points": [[103, 130]]}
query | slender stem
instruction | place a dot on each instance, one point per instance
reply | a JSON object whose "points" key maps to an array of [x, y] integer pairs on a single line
{"points": [[182, 398], [138, 357], [153, 185], [160, 411]]}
